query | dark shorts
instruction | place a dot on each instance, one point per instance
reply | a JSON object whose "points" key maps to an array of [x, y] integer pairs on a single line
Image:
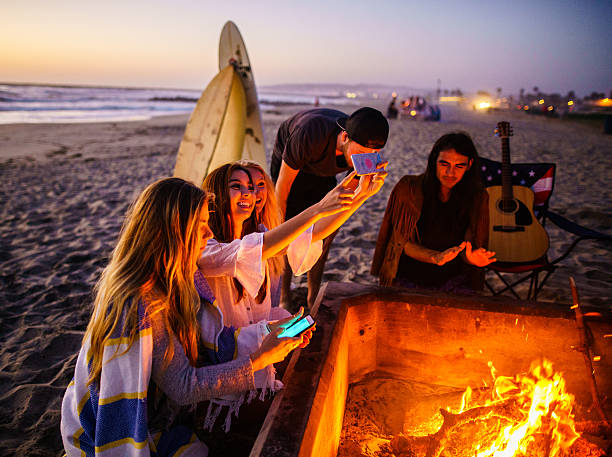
{"points": [[307, 190]]}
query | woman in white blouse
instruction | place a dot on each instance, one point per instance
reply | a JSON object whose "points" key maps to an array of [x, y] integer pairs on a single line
{"points": [[238, 262], [268, 216]]}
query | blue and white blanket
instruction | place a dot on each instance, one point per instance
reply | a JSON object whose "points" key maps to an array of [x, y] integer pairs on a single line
{"points": [[109, 418]]}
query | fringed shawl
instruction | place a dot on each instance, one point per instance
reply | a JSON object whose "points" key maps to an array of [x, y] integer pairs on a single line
{"points": [[109, 417], [224, 343], [399, 225]]}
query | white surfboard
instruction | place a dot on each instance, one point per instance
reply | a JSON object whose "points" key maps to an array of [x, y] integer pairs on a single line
{"points": [[216, 129], [232, 52]]}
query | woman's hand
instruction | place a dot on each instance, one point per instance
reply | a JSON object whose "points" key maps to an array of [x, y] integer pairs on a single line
{"points": [[479, 257], [371, 184], [273, 349], [449, 254], [340, 198], [286, 322], [307, 336]]}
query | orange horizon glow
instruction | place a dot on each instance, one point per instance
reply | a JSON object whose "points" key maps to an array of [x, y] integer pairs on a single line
{"points": [[158, 44]]}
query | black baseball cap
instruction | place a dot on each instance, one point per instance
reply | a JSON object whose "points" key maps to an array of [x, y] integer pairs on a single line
{"points": [[366, 126]]}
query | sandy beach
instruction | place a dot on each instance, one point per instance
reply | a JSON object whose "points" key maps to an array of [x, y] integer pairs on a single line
{"points": [[64, 190]]}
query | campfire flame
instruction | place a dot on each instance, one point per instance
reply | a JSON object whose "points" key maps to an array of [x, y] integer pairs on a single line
{"points": [[545, 412]]}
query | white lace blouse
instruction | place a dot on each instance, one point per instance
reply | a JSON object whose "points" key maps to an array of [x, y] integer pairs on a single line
{"points": [[241, 259]]}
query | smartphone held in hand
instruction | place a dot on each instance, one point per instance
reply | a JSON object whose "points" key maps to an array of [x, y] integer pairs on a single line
{"points": [[298, 327], [365, 164]]}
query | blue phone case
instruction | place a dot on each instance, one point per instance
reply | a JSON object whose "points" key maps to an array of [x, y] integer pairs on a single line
{"points": [[297, 328], [365, 164]]}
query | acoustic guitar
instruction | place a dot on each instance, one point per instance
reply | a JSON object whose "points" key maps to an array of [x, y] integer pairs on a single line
{"points": [[515, 235]]}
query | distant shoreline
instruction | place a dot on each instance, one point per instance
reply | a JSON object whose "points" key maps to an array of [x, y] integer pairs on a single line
{"points": [[94, 86]]}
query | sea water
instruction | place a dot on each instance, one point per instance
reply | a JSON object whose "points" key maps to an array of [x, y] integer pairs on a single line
{"points": [[56, 104], [23, 103]]}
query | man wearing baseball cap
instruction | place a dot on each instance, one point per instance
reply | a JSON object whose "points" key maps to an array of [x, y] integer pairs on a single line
{"points": [[311, 148]]}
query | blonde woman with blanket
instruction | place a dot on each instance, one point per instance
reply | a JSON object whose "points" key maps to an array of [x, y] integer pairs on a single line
{"points": [[154, 322]]}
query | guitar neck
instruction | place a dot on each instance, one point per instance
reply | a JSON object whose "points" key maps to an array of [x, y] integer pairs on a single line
{"points": [[506, 170]]}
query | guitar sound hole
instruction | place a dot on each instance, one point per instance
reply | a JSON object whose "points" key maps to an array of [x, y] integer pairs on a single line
{"points": [[508, 206]]}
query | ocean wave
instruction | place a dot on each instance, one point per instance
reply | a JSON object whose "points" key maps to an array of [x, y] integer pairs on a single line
{"points": [[23, 103], [173, 99]]}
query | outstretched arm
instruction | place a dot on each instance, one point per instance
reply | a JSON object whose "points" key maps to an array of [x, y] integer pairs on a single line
{"points": [[423, 254], [339, 199], [186, 384], [368, 185]]}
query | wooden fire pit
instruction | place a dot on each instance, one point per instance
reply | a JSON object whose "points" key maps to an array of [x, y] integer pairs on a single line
{"points": [[424, 337]]}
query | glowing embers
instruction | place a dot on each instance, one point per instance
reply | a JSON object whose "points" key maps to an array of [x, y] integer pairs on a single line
{"points": [[526, 416]]}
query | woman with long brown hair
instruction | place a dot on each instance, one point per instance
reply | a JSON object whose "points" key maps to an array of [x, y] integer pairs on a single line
{"points": [[237, 261], [153, 323], [267, 212]]}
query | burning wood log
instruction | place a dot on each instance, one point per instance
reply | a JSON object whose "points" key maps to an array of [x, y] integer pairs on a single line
{"points": [[519, 425], [439, 440], [435, 445], [481, 416], [595, 428]]}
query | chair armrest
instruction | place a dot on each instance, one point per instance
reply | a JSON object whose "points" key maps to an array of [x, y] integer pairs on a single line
{"points": [[581, 232], [572, 227]]}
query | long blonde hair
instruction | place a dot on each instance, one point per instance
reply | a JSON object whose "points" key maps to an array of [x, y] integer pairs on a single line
{"points": [[270, 215], [155, 262]]}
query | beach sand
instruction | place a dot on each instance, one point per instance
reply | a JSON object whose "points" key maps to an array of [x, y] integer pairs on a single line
{"points": [[65, 188]]}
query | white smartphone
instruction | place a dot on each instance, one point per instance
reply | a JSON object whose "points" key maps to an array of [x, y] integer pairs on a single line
{"points": [[365, 164], [298, 327]]}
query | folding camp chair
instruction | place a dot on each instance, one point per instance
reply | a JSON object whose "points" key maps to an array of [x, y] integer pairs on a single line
{"points": [[540, 178]]}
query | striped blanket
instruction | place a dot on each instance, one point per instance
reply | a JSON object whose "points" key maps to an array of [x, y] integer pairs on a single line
{"points": [[109, 418]]}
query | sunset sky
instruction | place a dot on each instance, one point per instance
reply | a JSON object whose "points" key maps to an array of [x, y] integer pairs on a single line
{"points": [[555, 45]]}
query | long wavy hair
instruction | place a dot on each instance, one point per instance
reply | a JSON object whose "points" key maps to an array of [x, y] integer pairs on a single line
{"points": [[154, 261], [463, 193], [270, 215]]}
